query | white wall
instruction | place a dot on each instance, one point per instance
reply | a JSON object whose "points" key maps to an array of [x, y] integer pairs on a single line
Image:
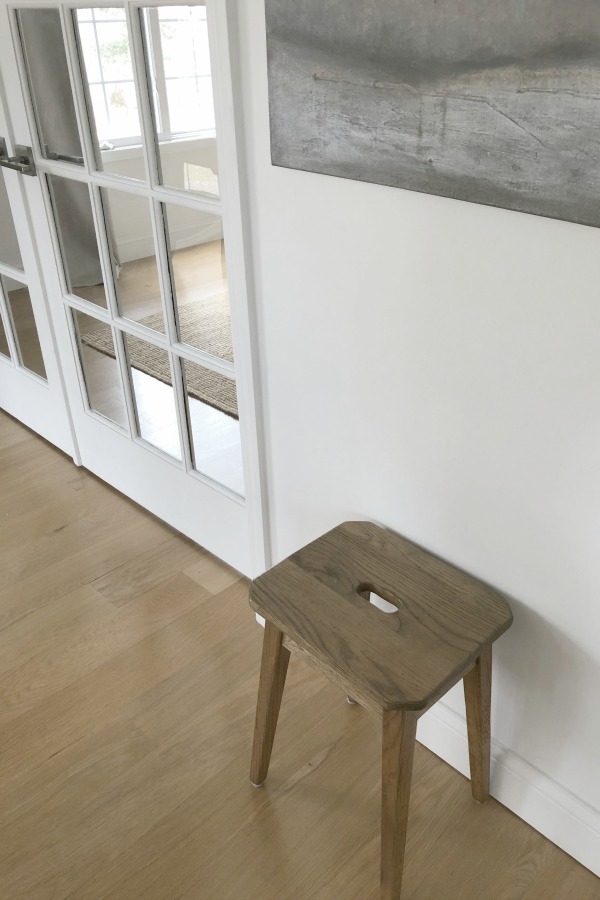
{"points": [[435, 366]]}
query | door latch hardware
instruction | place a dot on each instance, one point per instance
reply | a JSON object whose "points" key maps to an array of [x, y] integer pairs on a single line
{"points": [[22, 161]]}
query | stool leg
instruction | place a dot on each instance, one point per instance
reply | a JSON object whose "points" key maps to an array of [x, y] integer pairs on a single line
{"points": [[478, 696], [399, 732], [273, 669]]}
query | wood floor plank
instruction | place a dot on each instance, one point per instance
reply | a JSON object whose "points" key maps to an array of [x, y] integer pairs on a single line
{"points": [[62, 537], [212, 574], [30, 636], [37, 512], [100, 694], [65, 575], [148, 570], [84, 646], [128, 676]]}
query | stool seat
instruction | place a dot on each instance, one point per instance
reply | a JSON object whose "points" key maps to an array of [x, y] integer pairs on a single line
{"points": [[405, 660], [316, 603]]}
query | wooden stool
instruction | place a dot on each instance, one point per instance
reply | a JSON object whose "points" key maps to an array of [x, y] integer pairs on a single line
{"points": [[397, 664]]}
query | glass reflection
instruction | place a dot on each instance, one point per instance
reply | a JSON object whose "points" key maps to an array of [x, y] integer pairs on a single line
{"points": [[9, 246], [4, 348], [153, 394], [77, 237], [199, 275], [100, 368], [136, 274], [108, 74], [214, 425], [178, 62], [48, 74], [24, 327]]}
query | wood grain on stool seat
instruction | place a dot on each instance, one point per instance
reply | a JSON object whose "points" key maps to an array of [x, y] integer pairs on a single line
{"points": [[405, 660]]}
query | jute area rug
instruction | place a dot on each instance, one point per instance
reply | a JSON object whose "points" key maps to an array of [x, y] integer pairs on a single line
{"points": [[205, 324]]}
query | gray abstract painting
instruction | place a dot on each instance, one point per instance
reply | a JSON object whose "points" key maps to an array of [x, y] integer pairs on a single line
{"points": [[492, 101]]}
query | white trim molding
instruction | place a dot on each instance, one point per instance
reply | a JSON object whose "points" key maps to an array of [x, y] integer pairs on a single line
{"points": [[561, 816]]}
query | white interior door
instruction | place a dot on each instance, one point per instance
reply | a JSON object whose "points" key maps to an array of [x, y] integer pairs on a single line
{"points": [[30, 378], [137, 216]]}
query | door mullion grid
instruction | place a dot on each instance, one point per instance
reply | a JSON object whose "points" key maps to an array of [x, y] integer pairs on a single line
{"points": [[11, 272], [143, 92], [206, 360], [125, 370], [83, 114], [76, 51], [133, 328], [211, 205], [188, 198], [155, 192], [159, 67], [183, 422], [105, 250], [90, 309], [164, 274], [111, 293], [167, 287], [76, 79]]}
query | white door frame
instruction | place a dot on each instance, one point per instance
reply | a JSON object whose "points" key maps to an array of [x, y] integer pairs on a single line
{"points": [[152, 479]]}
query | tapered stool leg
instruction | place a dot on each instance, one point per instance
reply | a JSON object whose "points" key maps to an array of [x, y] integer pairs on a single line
{"points": [[478, 697], [398, 746], [273, 669]]}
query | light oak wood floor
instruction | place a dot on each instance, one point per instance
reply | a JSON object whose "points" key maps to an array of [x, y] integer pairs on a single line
{"points": [[128, 671]]}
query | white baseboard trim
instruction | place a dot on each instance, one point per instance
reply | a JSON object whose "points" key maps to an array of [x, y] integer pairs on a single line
{"points": [[557, 813], [142, 246]]}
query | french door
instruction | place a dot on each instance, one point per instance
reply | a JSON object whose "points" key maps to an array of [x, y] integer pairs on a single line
{"points": [[136, 213], [30, 378]]}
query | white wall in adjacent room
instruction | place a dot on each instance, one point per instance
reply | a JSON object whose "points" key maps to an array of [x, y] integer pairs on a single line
{"points": [[133, 234], [434, 365]]}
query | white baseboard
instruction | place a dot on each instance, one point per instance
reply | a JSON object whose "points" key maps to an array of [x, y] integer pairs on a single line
{"points": [[142, 245], [561, 816]]}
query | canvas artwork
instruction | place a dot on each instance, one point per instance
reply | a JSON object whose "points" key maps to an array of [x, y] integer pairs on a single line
{"points": [[491, 101]]}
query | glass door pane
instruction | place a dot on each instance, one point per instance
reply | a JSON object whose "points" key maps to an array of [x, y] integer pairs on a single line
{"points": [[4, 348], [178, 62], [19, 311], [24, 327], [199, 276], [48, 73], [9, 246], [214, 425], [152, 381], [100, 368], [110, 89], [77, 237], [129, 226]]}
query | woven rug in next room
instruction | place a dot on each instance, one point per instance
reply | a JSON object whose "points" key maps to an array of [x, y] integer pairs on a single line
{"points": [[205, 324]]}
